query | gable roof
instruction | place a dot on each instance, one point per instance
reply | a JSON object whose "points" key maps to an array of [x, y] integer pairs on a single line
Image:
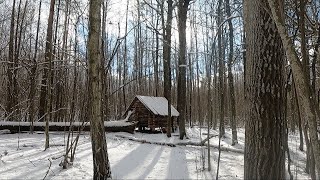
{"points": [[157, 105]]}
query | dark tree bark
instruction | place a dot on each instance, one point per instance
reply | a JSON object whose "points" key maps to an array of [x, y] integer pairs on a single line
{"points": [[167, 62], [221, 71], [230, 76], [181, 99], [306, 99], [11, 101], [33, 74], [45, 95], [299, 114], [101, 165], [264, 156]]}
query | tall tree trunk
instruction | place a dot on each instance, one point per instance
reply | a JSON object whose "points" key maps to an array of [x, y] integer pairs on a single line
{"points": [[33, 74], [11, 101], [101, 165], [55, 77], [16, 108], [167, 62], [45, 96], [181, 100], [221, 71], [230, 76], [264, 156], [305, 63], [306, 99], [125, 59], [299, 114]]}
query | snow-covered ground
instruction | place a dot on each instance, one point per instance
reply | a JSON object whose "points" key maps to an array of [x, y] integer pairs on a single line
{"points": [[130, 159]]}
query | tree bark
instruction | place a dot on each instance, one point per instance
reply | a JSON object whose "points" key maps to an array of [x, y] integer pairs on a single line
{"points": [[221, 71], [265, 131], [167, 62], [11, 101], [181, 99], [33, 74], [230, 76], [45, 96], [101, 165], [306, 99]]}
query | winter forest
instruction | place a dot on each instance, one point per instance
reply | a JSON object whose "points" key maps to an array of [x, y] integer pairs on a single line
{"points": [[159, 89]]}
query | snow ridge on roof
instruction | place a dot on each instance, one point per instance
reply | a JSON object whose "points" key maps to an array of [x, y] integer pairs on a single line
{"points": [[157, 105]]}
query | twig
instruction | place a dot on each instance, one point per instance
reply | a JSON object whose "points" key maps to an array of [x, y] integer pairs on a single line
{"points": [[48, 168], [32, 163]]}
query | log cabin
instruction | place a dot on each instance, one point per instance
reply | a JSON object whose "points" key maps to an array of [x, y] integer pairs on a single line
{"points": [[151, 112]]}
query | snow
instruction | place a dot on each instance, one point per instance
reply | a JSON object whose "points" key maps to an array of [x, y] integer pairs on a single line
{"points": [[129, 159], [157, 105]]}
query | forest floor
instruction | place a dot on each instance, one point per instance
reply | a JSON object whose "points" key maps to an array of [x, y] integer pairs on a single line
{"points": [[130, 159]]}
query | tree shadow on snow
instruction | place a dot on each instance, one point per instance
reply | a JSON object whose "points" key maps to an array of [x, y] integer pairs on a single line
{"points": [[131, 161], [151, 165], [229, 164], [177, 168]]}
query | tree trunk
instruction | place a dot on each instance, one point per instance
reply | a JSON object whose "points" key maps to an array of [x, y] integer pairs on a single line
{"points": [[181, 100], [299, 115], [11, 101], [125, 59], [264, 156], [221, 71], [306, 99], [230, 76], [167, 62], [33, 74], [46, 80], [101, 165]]}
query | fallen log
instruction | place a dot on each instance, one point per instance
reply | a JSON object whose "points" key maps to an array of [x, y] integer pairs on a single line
{"points": [[145, 141], [5, 131], [110, 126], [189, 143], [207, 138]]}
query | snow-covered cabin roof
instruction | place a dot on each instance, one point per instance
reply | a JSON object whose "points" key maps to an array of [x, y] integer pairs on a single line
{"points": [[157, 105]]}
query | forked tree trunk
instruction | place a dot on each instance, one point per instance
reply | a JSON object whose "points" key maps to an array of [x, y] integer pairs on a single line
{"points": [[306, 99], [101, 165], [264, 156]]}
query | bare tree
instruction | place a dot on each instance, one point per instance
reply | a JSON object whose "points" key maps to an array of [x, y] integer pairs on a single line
{"points": [[307, 101], [33, 74], [101, 165], [167, 60], [221, 69], [230, 76], [11, 98], [181, 99], [45, 97]]}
